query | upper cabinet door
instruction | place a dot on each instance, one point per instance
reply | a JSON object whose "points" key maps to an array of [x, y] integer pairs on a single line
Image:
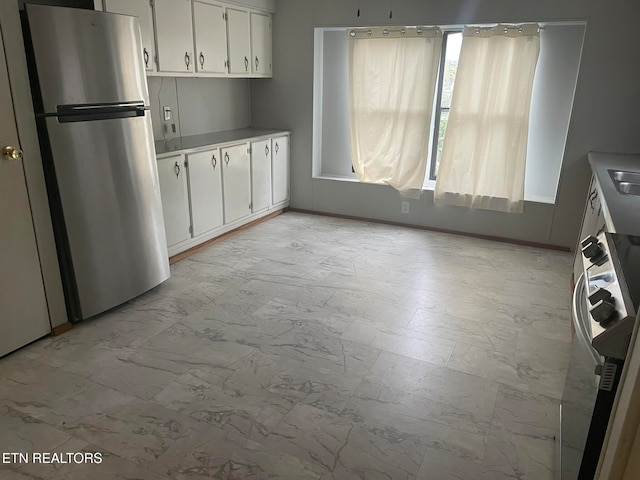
{"points": [[174, 36], [143, 10], [261, 44], [211, 37], [239, 43]]}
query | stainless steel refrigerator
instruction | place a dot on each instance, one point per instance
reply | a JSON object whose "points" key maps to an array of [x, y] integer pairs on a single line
{"points": [[92, 109]]}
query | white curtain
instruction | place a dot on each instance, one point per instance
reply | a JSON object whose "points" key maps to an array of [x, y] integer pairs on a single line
{"points": [[485, 145], [392, 80]]}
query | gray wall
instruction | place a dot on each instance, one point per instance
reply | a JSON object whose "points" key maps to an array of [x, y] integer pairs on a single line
{"points": [[603, 117], [198, 105]]}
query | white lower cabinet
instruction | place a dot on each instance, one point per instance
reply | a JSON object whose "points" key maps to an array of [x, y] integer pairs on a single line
{"points": [[205, 190], [175, 199], [280, 169], [218, 188], [260, 175], [236, 182]]}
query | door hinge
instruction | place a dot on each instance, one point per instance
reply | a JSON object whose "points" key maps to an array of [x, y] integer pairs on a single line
{"points": [[226, 16], [251, 206], [186, 163], [191, 229], [249, 150]]}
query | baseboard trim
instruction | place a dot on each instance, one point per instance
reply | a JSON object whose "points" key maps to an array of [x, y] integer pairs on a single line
{"points": [[198, 248], [60, 329], [439, 230]]}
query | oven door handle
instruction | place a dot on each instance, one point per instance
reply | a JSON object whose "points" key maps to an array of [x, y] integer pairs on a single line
{"points": [[581, 322]]}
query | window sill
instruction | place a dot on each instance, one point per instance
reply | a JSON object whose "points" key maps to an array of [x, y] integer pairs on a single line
{"points": [[429, 185]]}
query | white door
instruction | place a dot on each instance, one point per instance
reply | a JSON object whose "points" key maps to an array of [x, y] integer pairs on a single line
{"points": [[260, 44], [205, 190], [211, 37], [280, 169], [23, 306], [175, 199], [260, 175], [143, 10], [236, 182], [239, 41], [174, 35]]}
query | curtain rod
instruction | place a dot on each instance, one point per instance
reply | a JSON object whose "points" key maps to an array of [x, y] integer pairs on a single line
{"points": [[505, 27], [417, 30]]}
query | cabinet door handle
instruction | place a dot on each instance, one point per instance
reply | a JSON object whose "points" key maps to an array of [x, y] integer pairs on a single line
{"points": [[201, 60], [214, 161], [257, 62], [226, 158], [187, 59], [277, 148], [266, 150], [176, 168], [246, 64], [145, 54], [592, 197]]}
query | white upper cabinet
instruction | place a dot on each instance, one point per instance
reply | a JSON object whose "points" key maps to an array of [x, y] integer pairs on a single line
{"points": [[143, 10], [239, 41], [210, 32], [205, 190], [174, 36], [200, 37], [260, 44]]}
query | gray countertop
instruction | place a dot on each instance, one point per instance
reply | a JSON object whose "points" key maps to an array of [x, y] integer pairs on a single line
{"points": [[621, 212], [197, 142]]}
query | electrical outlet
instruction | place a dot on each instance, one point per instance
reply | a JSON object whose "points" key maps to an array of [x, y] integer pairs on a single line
{"points": [[166, 112], [405, 207]]}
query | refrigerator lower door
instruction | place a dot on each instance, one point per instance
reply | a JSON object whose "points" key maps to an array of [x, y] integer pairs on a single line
{"points": [[110, 198]]}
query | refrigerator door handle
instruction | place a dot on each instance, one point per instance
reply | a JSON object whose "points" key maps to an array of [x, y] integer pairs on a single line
{"points": [[86, 113]]}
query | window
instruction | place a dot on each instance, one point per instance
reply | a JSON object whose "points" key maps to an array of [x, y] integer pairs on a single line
{"points": [[554, 87], [451, 44]]}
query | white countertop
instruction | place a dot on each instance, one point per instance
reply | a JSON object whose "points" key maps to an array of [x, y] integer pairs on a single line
{"points": [[197, 142], [621, 212]]}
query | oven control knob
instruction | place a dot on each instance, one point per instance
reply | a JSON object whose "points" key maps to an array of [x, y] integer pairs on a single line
{"points": [[592, 250], [602, 311], [600, 294]]}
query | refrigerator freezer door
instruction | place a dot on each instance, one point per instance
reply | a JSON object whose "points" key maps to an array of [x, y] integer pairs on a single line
{"points": [[109, 191], [86, 57]]}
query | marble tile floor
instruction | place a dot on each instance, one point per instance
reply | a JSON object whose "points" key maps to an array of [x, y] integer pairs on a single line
{"points": [[309, 347]]}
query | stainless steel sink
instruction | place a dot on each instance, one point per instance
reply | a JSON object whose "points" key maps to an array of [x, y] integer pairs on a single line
{"points": [[629, 188], [620, 176], [627, 183]]}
